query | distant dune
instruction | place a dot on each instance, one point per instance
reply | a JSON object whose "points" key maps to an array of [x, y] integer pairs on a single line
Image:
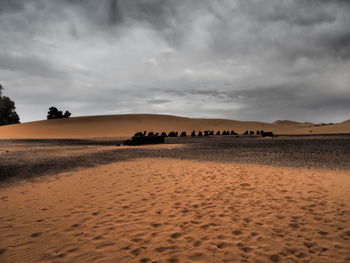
{"points": [[286, 122], [127, 125]]}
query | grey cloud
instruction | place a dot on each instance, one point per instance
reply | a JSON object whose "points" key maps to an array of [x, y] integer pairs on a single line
{"points": [[301, 13], [30, 65], [158, 101], [298, 101], [238, 59], [11, 6], [114, 12], [105, 12]]}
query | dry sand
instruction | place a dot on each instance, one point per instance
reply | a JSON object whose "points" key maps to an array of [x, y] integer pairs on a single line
{"points": [[127, 125], [165, 210]]}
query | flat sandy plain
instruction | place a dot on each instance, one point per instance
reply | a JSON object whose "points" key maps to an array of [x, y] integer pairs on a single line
{"points": [[217, 199]]}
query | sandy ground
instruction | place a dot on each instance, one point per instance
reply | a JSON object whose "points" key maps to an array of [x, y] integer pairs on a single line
{"points": [[166, 210], [127, 125]]}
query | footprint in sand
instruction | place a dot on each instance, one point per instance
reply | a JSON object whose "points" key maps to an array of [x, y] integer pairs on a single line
{"points": [[205, 226], [323, 233], [97, 238], [254, 234], [156, 225], [294, 225], [237, 232], [176, 235], [275, 258], [137, 251], [309, 244], [104, 245], [144, 260], [75, 225], [36, 234], [345, 235], [244, 248], [173, 260], [197, 243], [162, 249], [137, 240], [222, 245], [197, 256], [247, 220], [72, 250]]}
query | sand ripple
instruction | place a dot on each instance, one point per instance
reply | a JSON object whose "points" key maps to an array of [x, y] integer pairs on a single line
{"points": [[162, 210]]}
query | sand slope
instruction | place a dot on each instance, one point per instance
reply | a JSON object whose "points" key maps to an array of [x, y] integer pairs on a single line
{"points": [[161, 210], [127, 125]]}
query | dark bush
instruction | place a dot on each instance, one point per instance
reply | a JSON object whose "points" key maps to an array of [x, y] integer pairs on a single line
{"points": [[172, 134], [8, 114], [67, 114], [54, 113]]}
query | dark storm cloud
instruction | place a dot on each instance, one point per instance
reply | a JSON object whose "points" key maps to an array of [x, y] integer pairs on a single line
{"points": [[29, 65], [11, 6], [240, 59]]}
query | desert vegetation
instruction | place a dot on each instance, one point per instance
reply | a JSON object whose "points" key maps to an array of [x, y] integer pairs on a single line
{"points": [[54, 113], [8, 114]]}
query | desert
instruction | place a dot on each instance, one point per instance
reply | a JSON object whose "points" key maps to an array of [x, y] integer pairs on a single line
{"points": [[174, 131], [191, 199]]}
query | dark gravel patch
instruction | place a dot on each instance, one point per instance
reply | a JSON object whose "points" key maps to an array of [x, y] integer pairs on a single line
{"points": [[330, 152]]}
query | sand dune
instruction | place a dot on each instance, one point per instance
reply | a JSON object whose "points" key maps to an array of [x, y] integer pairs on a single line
{"points": [[286, 122], [127, 125], [163, 210]]}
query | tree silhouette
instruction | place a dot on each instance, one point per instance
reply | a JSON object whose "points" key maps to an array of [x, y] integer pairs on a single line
{"points": [[54, 113], [8, 115], [67, 114]]}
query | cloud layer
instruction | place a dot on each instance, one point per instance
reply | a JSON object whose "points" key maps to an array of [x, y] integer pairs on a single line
{"points": [[237, 59]]}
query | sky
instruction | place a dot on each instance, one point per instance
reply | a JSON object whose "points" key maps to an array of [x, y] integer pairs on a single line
{"points": [[261, 60]]}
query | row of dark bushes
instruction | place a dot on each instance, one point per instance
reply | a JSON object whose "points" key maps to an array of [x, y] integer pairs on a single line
{"points": [[199, 133], [184, 134], [141, 138], [261, 132]]}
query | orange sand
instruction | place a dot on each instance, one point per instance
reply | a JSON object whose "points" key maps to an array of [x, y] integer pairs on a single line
{"points": [[161, 210], [127, 125]]}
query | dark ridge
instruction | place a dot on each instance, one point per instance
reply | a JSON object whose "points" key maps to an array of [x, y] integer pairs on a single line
{"points": [[63, 142]]}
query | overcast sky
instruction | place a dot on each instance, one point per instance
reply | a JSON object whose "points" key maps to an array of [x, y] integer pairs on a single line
{"points": [[238, 59]]}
